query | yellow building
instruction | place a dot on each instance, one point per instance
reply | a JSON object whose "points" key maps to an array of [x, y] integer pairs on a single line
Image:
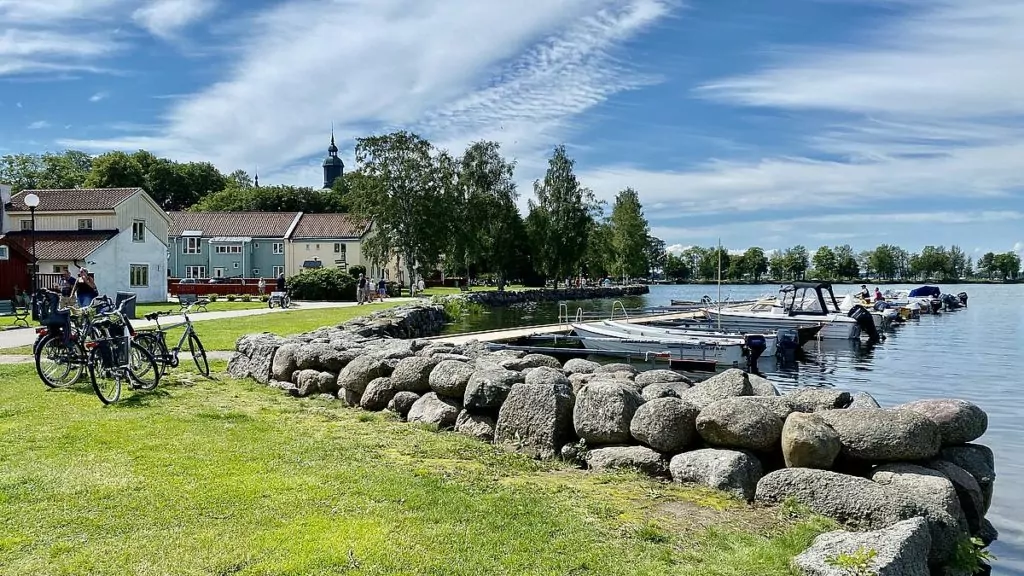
{"points": [[332, 241]]}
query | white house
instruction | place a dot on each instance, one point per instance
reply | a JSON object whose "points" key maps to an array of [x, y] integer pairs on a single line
{"points": [[119, 234]]}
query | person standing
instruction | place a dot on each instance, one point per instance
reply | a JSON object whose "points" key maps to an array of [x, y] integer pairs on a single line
{"points": [[382, 289], [361, 289], [261, 286], [280, 282], [85, 286]]}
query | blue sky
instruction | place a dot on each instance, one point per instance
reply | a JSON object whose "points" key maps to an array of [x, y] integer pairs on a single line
{"points": [[768, 123]]}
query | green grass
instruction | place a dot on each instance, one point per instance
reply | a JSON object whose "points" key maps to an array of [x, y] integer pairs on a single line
{"points": [[445, 291], [225, 477], [218, 306]]}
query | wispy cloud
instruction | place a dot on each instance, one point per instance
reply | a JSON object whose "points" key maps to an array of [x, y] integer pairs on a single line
{"points": [[38, 125], [58, 36], [98, 96], [166, 18]]}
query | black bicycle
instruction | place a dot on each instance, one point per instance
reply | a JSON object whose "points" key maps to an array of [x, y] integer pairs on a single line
{"points": [[116, 357], [155, 341], [59, 351]]}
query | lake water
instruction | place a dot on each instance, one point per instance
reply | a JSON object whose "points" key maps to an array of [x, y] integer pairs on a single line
{"points": [[968, 354]]}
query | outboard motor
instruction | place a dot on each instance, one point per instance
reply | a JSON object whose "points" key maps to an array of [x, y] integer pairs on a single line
{"points": [[787, 342], [863, 318], [963, 298], [754, 345]]}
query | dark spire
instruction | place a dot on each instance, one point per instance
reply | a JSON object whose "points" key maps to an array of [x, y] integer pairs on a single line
{"points": [[256, 180], [333, 166], [332, 150]]}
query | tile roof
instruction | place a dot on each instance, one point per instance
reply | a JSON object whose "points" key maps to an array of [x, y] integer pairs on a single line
{"points": [[251, 224], [74, 199], [72, 245], [330, 226]]}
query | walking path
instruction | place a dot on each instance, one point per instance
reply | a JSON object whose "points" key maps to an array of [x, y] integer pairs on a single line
{"points": [[25, 336]]}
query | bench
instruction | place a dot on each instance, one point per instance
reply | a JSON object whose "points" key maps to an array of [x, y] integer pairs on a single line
{"points": [[20, 314], [186, 300]]}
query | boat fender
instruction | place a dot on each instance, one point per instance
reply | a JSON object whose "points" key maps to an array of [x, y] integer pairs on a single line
{"points": [[863, 318]]}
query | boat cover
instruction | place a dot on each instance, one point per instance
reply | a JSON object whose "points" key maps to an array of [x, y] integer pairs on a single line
{"points": [[925, 292]]}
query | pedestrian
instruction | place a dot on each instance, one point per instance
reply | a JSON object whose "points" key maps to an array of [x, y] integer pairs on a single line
{"points": [[85, 286], [421, 285], [261, 286], [280, 282], [878, 295], [361, 289], [382, 289]]}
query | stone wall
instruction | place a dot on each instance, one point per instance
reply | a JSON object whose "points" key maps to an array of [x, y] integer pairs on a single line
{"points": [[505, 298], [909, 479]]}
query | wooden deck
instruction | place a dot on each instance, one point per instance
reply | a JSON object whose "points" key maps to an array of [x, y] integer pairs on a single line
{"points": [[515, 333]]}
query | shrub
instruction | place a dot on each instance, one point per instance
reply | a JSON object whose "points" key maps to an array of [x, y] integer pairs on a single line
{"points": [[230, 297], [329, 284], [213, 297], [356, 270], [394, 289], [264, 297], [246, 298]]}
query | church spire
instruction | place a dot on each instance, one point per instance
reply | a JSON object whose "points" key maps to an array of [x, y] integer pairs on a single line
{"points": [[256, 181], [333, 166]]}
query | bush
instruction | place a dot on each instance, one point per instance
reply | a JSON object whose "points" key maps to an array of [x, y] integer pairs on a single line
{"points": [[356, 270], [329, 284], [246, 298], [394, 289], [264, 297], [230, 297], [213, 297]]}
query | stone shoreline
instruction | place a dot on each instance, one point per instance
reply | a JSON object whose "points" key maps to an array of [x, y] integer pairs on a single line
{"points": [[908, 479], [509, 297]]}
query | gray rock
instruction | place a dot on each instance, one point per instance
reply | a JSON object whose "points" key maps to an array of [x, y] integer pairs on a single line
{"points": [[959, 421], [665, 424], [818, 399], [850, 500], [255, 356], [284, 364], [730, 471], [435, 410], [884, 435], [488, 389], [739, 423], [638, 458], [537, 417], [457, 357], [761, 386], [355, 376], [450, 377], [378, 394], [402, 403], [935, 494], [307, 383], [862, 400], [479, 426], [779, 405], [616, 367], [649, 377], [900, 550], [659, 390], [548, 377], [572, 452], [580, 366], [728, 384], [412, 374], [972, 502], [603, 412], [532, 361], [987, 532], [323, 357], [808, 442], [396, 350], [978, 461]]}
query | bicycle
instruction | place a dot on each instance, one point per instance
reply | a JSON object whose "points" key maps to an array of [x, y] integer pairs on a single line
{"points": [[155, 341], [59, 352], [279, 298], [117, 357]]}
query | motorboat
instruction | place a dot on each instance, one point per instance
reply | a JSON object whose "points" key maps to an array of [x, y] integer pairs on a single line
{"points": [[719, 351], [883, 315], [798, 304], [641, 330]]}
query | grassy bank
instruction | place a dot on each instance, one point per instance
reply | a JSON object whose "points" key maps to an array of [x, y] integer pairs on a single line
{"points": [[446, 291], [224, 477]]}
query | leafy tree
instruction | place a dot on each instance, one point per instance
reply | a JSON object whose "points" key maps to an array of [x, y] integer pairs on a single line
{"points": [[598, 262], [50, 170], [629, 234], [779, 266], [797, 261], [755, 262], [957, 262], [240, 179], [116, 170], [676, 267], [846, 262], [1006, 265], [969, 268], [987, 263], [559, 221], [655, 255], [738, 268], [825, 263], [693, 256], [272, 199], [713, 260]]}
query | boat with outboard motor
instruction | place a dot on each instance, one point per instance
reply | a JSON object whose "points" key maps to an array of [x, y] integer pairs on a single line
{"points": [[642, 330], [722, 352]]}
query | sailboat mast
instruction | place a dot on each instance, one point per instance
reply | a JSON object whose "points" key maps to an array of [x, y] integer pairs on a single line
{"points": [[719, 284]]}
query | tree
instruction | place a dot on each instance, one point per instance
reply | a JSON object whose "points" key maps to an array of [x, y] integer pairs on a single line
{"points": [[755, 262], [713, 260], [693, 256], [51, 170], [797, 261], [629, 234], [275, 198], [676, 267], [738, 268], [655, 255], [778, 265], [825, 263], [116, 170], [240, 179], [957, 262], [1006, 265], [969, 268], [987, 263], [559, 221], [598, 262], [883, 261], [846, 262]]}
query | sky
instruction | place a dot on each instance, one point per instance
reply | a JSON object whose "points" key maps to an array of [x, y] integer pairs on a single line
{"points": [[756, 122]]}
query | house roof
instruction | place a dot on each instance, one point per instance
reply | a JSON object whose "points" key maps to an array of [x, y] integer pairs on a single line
{"points": [[248, 224], [15, 246], [70, 245], [74, 199], [330, 226]]}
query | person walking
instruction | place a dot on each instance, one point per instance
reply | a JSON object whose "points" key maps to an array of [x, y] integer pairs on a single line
{"points": [[382, 289], [280, 282], [85, 286], [261, 286], [361, 290]]}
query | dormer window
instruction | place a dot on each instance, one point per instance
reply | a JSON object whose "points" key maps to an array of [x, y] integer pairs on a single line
{"points": [[85, 223]]}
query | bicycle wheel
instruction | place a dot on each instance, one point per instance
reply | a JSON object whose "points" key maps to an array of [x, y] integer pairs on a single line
{"points": [[143, 368], [154, 343], [106, 379], [58, 365], [198, 354]]}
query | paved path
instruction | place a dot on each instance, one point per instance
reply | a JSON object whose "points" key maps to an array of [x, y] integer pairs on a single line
{"points": [[25, 337]]}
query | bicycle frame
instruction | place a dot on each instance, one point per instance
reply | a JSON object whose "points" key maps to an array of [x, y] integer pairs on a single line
{"points": [[171, 356]]}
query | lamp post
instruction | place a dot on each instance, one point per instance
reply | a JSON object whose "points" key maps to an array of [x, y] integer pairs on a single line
{"points": [[32, 201]]}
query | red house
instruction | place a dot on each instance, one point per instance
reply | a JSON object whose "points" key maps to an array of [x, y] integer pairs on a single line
{"points": [[15, 263]]}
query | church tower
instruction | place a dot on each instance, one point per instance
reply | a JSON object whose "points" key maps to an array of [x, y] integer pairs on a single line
{"points": [[333, 166]]}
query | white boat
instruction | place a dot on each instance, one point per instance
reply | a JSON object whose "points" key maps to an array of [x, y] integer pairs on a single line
{"points": [[640, 330], [883, 318], [798, 304], [721, 351]]}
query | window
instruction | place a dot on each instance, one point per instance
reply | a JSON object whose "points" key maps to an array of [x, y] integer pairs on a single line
{"points": [[278, 270], [4, 254], [278, 247], [317, 246], [234, 265], [218, 272], [307, 247], [195, 271], [192, 245], [255, 272], [337, 247], [26, 224], [139, 231], [60, 268], [85, 223], [138, 275], [229, 249]]}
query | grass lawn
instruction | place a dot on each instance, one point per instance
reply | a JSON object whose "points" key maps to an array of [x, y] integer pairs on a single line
{"points": [[225, 477], [218, 306]]}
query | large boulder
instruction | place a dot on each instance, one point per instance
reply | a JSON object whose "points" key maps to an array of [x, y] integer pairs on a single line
{"points": [[730, 471], [978, 461], [661, 390], [959, 421], [547, 376], [638, 458], [761, 386], [255, 357], [487, 389], [808, 442], [580, 366], [972, 501], [531, 361], [649, 377], [884, 435], [450, 377], [850, 500], [402, 403], [779, 405], [739, 423], [899, 550], [435, 410], [412, 374], [665, 424], [615, 368], [479, 426], [817, 399], [378, 394], [861, 400], [603, 412], [935, 494], [285, 364], [358, 373], [312, 382], [728, 384], [323, 357], [537, 416]]}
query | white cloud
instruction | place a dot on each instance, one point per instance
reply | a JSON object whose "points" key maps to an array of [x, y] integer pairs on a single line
{"points": [[1018, 247], [677, 248], [54, 36], [98, 96], [38, 125], [166, 18]]}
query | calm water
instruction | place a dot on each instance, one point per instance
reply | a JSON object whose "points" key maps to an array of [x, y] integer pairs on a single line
{"points": [[967, 354]]}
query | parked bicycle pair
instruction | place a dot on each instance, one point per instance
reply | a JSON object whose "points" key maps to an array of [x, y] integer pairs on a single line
{"points": [[101, 339]]}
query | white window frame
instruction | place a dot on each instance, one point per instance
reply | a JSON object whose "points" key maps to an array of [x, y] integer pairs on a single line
{"points": [[133, 269], [26, 225], [255, 272], [5, 254], [218, 272], [191, 245], [190, 272], [85, 223], [278, 248], [228, 249], [234, 265], [60, 268], [278, 270], [138, 231]]}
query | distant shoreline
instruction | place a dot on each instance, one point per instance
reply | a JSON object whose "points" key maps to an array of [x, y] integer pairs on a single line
{"points": [[873, 282]]}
